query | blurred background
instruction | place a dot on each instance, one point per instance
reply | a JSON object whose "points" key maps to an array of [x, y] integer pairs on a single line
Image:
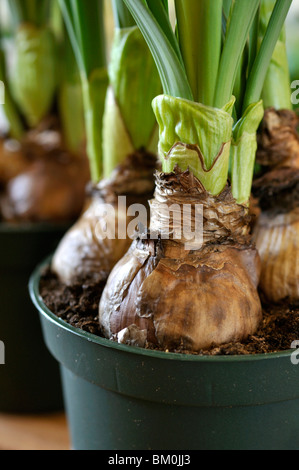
{"points": [[292, 33]]}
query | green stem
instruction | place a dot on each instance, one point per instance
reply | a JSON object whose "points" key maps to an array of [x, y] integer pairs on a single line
{"points": [[85, 24], [70, 100], [240, 84], [276, 90], [10, 109], [34, 74], [56, 21], [122, 16], [35, 12], [259, 70], [227, 4], [161, 13], [94, 93], [172, 72], [236, 37], [243, 152], [129, 121], [253, 40], [135, 82], [195, 136], [89, 25], [199, 31]]}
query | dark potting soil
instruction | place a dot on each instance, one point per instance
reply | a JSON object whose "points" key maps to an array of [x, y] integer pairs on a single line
{"points": [[78, 306]]}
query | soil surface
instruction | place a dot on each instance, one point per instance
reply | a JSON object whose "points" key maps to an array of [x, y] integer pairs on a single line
{"points": [[78, 306]]}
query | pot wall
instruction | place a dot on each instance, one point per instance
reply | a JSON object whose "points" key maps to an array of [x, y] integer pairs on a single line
{"points": [[113, 421], [29, 380], [123, 398]]}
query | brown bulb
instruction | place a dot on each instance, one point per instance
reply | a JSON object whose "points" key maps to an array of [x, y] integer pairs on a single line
{"points": [[90, 250], [174, 298]]}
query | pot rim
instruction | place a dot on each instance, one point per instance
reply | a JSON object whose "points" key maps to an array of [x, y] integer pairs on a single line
{"points": [[45, 311]]}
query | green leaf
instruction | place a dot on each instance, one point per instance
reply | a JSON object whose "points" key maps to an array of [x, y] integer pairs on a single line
{"points": [[35, 12], [172, 73], [238, 28], [254, 40], [259, 70], [199, 32], [117, 144], [135, 81], [89, 28], [243, 151], [94, 94], [33, 77], [71, 111], [85, 24], [227, 4], [70, 99], [276, 91], [197, 137], [122, 16], [160, 11], [10, 109]]}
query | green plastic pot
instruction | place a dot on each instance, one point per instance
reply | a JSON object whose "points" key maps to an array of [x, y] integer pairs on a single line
{"points": [[124, 398], [30, 379]]}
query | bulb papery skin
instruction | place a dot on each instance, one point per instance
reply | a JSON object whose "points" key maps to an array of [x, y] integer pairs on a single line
{"points": [[278, 141], [175, 299], [276, 232], [82, 254], [92, 247], [277, 240]]}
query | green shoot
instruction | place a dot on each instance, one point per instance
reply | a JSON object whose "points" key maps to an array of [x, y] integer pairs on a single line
{"points": [[122, 16], [35, 12], [276, 90], [85, 24], [218, 42], [238, 28], [12, 114], [199, 26], [259, 70], [70, 99], [129, 123], [33, 73], [172, 72]]}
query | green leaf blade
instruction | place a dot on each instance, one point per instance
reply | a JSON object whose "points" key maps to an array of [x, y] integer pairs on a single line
{"points": [[172, 73], [241, 20], [259, 71]]}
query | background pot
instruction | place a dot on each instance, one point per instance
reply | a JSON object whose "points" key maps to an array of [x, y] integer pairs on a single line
{"points": [[124, 398], [30, 379]]}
